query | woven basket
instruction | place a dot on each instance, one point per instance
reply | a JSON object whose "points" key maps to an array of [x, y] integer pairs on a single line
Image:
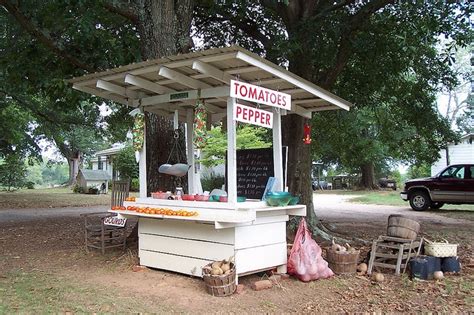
{"points": [[440, 249], [223, 285]]}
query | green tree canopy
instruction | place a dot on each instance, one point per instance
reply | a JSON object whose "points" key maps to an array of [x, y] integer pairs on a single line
{"points": [[13, 172]]}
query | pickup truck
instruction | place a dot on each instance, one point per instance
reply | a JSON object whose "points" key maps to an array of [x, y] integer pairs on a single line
{"points": [[453, 185]]}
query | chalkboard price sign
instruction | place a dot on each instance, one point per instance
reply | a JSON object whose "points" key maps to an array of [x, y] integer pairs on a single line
{"points": [[254, 167]]}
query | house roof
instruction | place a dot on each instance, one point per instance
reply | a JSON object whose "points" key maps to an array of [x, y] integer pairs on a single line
{"points": [[467, 136], [173, 83], [92, 175], [110, 151]]}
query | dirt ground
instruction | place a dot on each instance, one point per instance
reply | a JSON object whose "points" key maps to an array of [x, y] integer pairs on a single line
{"points": [[51, 248]]}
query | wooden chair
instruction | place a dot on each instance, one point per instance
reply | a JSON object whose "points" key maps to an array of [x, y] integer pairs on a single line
{"points": [[393, 252], [101, 236], [120, 191]]}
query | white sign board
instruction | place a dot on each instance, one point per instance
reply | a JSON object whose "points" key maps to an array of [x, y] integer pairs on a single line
{"points": [[253, 116], [115, 221], [257, 94]]}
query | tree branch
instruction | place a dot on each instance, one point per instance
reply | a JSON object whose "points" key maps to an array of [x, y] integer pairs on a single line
{"points": [[345, 43], [46, 116], [43, 38], [245, 25], [129, 14]]}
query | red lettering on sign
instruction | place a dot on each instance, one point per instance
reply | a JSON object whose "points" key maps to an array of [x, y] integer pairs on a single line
{"points": [[236, 84], [266, 96], [239, 110], [267, 119], [243, 91], [260, 95], [273, 98], [252, 92]]}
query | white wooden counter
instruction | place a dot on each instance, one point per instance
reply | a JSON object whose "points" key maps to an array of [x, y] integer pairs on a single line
{"points": [[252, 232]]}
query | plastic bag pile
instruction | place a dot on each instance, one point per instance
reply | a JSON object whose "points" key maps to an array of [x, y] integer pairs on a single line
{"points": [[305, 261]]}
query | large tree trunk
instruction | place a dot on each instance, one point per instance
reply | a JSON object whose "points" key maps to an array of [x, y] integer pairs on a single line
{"points": [[368, 177], [164, 28], [299, 163], [73, 163]]}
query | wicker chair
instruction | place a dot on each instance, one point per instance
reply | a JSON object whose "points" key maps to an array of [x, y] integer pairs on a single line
{"points": [[98, 235]]}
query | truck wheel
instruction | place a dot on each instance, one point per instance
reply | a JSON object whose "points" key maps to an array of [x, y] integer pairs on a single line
{"points": [[436, 205], [419, 201]]}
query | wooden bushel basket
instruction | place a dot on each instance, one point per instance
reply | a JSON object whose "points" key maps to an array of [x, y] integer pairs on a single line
{"points": [[342, 262], [223, 285], [402, 227]]}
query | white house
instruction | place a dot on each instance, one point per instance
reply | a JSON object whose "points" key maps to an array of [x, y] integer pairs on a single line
{"points": [[462, 152], [103, 160]]}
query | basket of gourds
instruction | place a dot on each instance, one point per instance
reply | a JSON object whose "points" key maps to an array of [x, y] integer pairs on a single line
{"points": [[219, 277]]}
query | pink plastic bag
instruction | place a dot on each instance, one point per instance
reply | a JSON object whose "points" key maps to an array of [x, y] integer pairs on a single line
{"points": [[305, 260]]}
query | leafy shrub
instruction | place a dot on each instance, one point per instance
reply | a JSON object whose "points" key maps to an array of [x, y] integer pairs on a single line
{"points": [[93, 191], [125, 163], [77, 189], [135, 184], [212, 181], [13, 172], [30, 185]]}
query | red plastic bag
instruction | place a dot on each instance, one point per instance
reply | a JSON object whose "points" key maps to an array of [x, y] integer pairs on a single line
{"points": [[305, 260]]}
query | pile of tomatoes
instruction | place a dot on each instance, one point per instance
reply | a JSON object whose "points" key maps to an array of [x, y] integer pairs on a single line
{"points": [[163, 211], [119, 208], [130, 199]]}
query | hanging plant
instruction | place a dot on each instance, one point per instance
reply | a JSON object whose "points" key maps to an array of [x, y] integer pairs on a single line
{"points": [[200, 132], [138, 131]]}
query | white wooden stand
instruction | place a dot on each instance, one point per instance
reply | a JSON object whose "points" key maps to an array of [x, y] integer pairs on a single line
{"points": [[255, 234]]}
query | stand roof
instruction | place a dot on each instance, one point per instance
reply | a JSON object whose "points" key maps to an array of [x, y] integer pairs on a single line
{"points": [[173, 83]]}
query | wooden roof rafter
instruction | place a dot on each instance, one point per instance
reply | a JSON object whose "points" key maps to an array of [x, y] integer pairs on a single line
{"points": [[162, 85]]}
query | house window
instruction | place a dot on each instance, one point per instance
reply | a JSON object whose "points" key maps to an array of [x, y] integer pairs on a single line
{"points": [[100, 164]]}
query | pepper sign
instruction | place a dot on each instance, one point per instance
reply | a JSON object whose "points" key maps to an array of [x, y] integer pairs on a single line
{"points": [[257, 94]]}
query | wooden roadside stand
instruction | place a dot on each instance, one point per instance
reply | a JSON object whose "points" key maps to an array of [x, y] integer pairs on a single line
{"points": [[236, 85]]}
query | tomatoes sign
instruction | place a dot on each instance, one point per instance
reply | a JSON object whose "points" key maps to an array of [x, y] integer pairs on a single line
{"points": [[257, 94], [253, 116]]}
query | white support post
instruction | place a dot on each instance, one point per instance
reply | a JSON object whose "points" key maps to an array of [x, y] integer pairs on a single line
{"points": [[142, 167], [231, 153], [190, 151], [277, 150]]}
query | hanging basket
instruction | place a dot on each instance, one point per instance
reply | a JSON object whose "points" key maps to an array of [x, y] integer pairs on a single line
{"points": [[178, 169]]}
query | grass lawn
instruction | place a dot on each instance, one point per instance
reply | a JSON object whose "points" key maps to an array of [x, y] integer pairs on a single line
{"points": [[50, 198]]}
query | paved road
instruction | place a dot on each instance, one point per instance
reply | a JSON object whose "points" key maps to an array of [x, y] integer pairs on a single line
{"points": [[335, 208]]}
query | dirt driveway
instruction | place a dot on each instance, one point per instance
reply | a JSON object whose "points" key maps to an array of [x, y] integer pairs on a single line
{"points": [[334, 207], [44, 268]]}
